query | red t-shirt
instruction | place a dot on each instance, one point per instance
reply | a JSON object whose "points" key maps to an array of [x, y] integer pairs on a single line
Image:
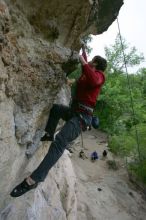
{"points": [[89, 85]]}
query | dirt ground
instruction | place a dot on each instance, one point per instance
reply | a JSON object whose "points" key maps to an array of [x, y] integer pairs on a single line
{"points": [[103, 193]]}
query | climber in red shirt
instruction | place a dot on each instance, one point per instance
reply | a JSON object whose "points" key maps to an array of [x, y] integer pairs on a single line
{"points": [[91, 80], [77, 116]]}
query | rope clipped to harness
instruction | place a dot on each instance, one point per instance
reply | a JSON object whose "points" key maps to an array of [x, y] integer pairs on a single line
{"points": [[83, 127], [82, 138]]}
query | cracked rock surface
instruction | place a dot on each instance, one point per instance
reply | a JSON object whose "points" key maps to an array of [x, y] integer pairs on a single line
{"points": [[37, 39]]}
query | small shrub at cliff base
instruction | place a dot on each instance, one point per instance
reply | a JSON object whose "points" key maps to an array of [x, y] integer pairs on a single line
{"points": [[138, 166], [122, 145], [139, 170], [112, 164]]}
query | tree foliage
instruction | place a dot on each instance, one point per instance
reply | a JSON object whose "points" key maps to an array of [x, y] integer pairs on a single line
{"points": [[122, 105], [114, 55]]}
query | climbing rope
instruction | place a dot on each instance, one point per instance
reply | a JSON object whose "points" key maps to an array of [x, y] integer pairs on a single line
{"points": [[82, 142], [130, 91]]}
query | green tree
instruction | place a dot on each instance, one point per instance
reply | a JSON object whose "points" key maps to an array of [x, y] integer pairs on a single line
{"points": [[115, 110], [114, 105], [114, 55]]}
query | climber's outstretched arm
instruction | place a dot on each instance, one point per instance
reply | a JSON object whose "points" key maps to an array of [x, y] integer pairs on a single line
{"points": [[82, 60], [83, 57]]}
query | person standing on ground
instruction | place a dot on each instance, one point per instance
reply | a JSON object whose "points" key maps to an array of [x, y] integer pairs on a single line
{"points": [[78, 116]]}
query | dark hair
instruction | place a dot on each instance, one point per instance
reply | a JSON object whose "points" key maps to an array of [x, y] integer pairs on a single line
{"points": [[100, 62]]}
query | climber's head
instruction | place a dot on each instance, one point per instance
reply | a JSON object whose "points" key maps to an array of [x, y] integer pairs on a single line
{"points": [[99, 63]]}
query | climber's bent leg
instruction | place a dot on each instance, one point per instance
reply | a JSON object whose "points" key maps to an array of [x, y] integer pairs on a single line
{"points": [[68, 133], [57, 112]]}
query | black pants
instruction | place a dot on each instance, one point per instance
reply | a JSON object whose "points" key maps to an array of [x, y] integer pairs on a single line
{"points": [[70, 131]]}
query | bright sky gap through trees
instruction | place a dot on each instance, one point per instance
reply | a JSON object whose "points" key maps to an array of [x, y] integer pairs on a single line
{"points": [[132, 18]]}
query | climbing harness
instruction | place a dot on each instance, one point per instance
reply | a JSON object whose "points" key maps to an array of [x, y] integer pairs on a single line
{"points": [[85, 109], [130, 91]]}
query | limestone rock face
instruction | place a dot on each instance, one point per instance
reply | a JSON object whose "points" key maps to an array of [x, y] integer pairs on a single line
{"points": [[65, 21], [36, 39]]}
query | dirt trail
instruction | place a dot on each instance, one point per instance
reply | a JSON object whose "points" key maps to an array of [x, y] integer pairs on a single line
{"points": [[104, 194]]}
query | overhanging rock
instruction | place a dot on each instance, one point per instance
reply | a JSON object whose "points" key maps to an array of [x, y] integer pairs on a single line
{"points": [[66, 21]]}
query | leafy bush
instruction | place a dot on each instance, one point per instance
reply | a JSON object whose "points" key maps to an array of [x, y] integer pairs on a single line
{"points": [[122, 107], [139, 170], [122, 145]]}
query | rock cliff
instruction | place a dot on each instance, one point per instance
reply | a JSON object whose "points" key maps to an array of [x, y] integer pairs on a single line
{"points": [[37, 40]]}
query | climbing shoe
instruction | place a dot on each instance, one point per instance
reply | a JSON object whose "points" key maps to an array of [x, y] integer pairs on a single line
{"points": [[47, 137], [22, 188]]}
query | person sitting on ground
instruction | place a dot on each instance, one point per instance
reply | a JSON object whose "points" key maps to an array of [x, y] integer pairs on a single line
{"points": [[78, 116], [104, 154], [94, 156]]}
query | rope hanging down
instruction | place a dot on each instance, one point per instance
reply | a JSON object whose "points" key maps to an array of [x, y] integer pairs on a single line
{"points": [[130, 91]]}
